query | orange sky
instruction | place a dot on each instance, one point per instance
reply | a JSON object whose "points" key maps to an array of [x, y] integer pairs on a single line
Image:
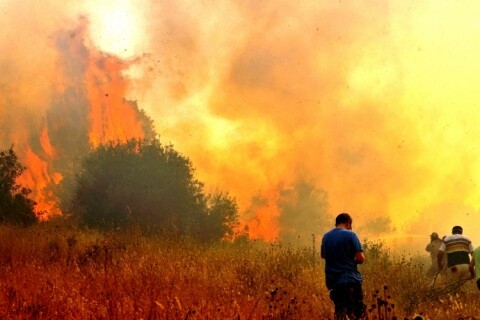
{"points": [[374, 104]]}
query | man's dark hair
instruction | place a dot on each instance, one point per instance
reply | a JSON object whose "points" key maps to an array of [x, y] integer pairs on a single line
{"points": [[343, 218], [457, 230]]}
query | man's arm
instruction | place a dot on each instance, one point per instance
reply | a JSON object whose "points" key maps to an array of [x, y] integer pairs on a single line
{"points": [[471, 267], [359, 257], [440, 259]]}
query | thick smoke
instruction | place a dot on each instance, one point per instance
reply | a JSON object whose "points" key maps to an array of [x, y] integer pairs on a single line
{"points": [[375, 105], [359, 98]]}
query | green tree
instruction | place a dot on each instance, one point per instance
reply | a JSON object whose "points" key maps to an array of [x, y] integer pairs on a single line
{"points": [[15, 206], [221, 220], [145, 183]]}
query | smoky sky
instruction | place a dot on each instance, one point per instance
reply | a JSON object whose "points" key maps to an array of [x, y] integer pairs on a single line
{"points": [[374, 104]]}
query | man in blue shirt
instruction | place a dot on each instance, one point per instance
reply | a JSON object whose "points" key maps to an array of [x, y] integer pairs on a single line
{"points": [[342, 251]]}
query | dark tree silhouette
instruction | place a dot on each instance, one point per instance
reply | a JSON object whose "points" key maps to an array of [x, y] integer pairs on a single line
{"points": [[222, 217], [302, 211], [153, 186], [15, 206]]}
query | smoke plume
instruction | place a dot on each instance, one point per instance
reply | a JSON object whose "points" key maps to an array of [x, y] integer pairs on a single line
{"points": [[301, 110]]}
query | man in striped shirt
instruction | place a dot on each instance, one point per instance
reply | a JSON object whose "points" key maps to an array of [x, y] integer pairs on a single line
{"points": [[458, 249]]}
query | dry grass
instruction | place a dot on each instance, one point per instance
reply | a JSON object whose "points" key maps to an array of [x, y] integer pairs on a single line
{"points": [[58, 272]]}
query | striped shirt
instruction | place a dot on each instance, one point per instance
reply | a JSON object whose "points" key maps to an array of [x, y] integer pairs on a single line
{"points": [[457, 247]]}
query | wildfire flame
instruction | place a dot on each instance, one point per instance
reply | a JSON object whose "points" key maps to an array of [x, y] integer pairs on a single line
{"points": [[91, 110], [111, 117]]}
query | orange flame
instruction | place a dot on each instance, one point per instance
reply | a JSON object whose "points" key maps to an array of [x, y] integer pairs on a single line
{"points": [[112, 118], [37, 178], [89, 109], [264, 221]]}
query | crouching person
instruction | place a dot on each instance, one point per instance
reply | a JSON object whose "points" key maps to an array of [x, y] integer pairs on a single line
{"points": [[458, 249]]}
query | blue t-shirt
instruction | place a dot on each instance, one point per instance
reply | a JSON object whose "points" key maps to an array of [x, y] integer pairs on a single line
{"points": [[339, 247]]}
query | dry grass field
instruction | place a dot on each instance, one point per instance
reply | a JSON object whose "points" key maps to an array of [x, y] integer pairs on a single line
{"points": [[53, 271]]}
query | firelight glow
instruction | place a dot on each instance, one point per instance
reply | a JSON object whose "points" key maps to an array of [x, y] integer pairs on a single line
{"points": [[116, 26]]}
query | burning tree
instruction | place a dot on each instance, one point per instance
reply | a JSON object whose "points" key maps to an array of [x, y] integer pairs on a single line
{"points": [[153, 186], [15, 206]]}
